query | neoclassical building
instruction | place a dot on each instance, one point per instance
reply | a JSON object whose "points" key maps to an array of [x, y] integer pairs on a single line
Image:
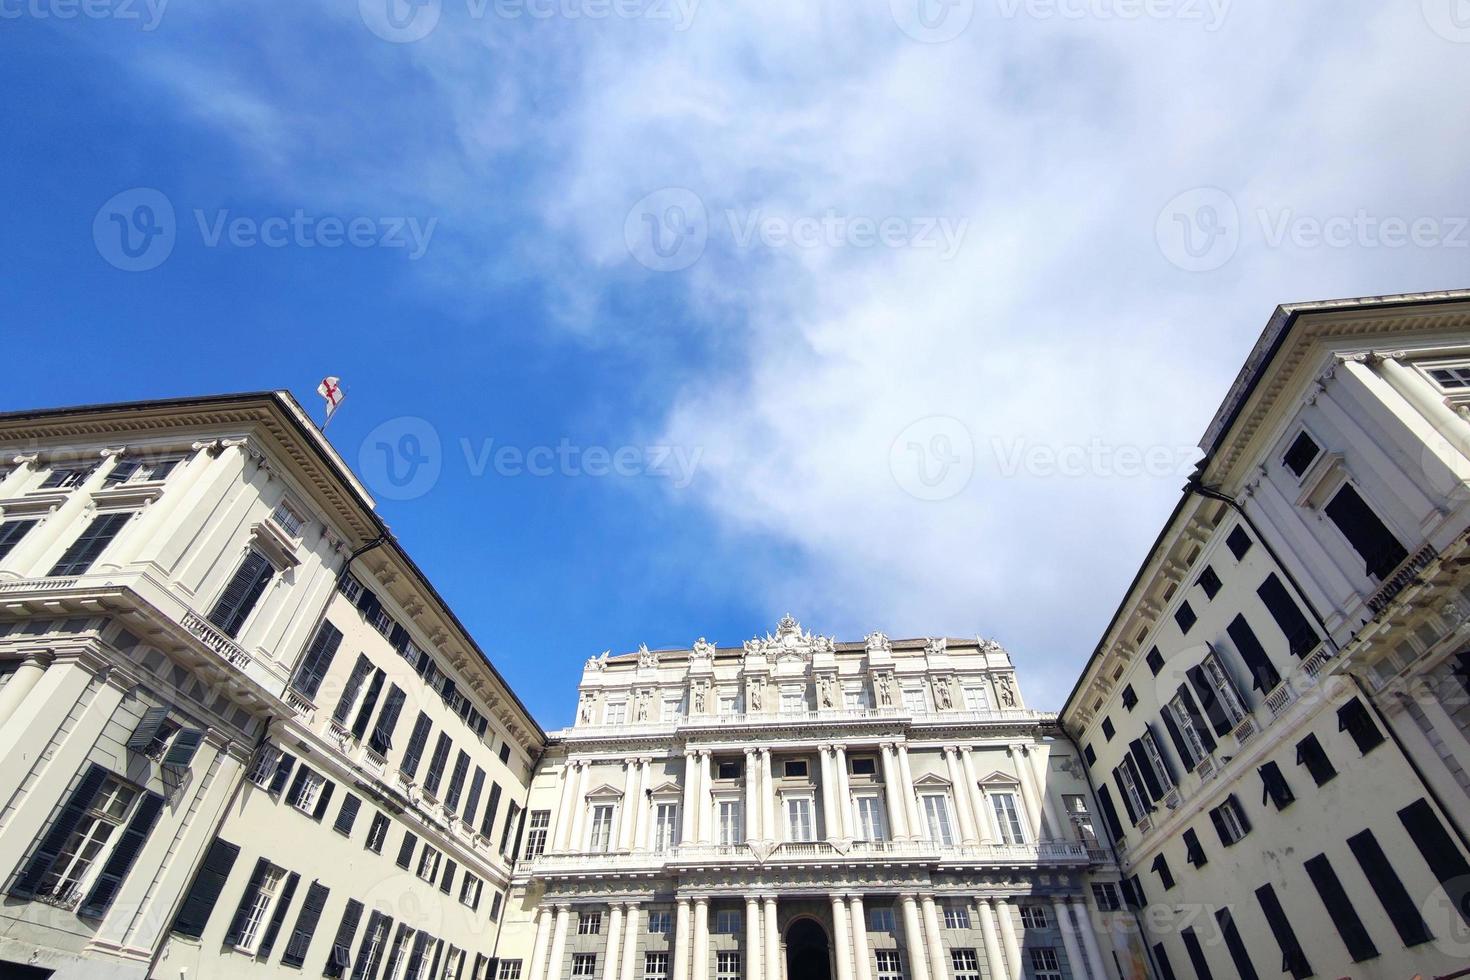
{"points": [[797, 807]]}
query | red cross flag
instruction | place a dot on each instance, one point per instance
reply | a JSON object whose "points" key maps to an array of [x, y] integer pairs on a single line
{"points": [[331, 390]]}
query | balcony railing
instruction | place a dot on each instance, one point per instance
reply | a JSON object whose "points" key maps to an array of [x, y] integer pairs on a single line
{"points": [[1244, 731], [215, 640], [1400, 578], [670, 726], [1280, 698]]}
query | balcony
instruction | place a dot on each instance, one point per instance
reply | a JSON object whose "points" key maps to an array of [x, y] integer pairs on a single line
{"points": [[1400, 578], [788, 719]]}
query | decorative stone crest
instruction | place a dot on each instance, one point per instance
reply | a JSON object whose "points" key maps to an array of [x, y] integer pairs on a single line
{"points": [[878, 642], [935, 648], [790, 641]]}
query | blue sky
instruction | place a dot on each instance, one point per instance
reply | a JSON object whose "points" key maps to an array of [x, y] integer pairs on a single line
{"points": [[895, 318]]}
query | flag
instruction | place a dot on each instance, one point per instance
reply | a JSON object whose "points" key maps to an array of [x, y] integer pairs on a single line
{"points": [[331, 390]]}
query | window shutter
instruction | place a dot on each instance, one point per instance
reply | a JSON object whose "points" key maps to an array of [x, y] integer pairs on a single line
{"points": [[1401, 908], [436, 764], [369, 702], [1301, 638], [305, 928], [456, 780], [405, 850], [1274, 786], [204, 892], [1133, 814], [1340, 908], [242, 911], [89, 546], [268, 941], [487, 827], [1110, 815], [1293, 959], [318, 660], [398, 639], [1370, 538], [360, 672], [1220, 830], [382, 739], [10, 534], [66, 821], [367, 960], [340, 957], [1245, 823], [1264, 677], [185, 745], [293, 796], [416, 742], [1146, 770], [1180, 745], [446, 881], [472, 799], [323, 800], [241, 593], [1238, 953], [1207, 699], [283, 771], [1195, 717], [395, 952], [120, 861], [1169, 770], [1440, 853], [348, 814], [147, 729]]}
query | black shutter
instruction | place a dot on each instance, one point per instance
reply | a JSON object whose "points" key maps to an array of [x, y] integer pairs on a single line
{"points": [[1274, 786], [398, 638], [1340, 909], [367, 602], [1146, 770], [405, 850], [360, 671], [446, 880], [340, 956], [283, 771], [1175, 736], [487, 826], [120, 861], [348, 814], [323, 800], [1193, 852], [10, 534], [1293, 958], [1133, 814], [1196, 954], [89, 545], [1214, 710], [1233, 943], [438, 954], [472, 799], [1169, 770], [268, 941], [382, 739], [66, 821], [185, 745], [305, 928], [1166, 972], [1220, 830], [318, 660], [1440, 853], [1309, 753], [293, 795], [204, 892], [456, 780], [241, 593], [1354, 718], [395, 952], [1301, 639], [147, 729], [1373, 541], [242, 911], [369, 702], [1239, 811], [1161, 868], [415, 750], [1264, 677], [515, 818], [1401, 909], [436, 764], [1110, 815], [1197, 719], [366, 965]]}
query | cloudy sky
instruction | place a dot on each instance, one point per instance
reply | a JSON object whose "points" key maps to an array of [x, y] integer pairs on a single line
{"points": [[661, 318]]}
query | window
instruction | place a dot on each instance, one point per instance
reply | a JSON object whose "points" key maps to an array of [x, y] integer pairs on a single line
{"points": [[1274, 786], [255, 906], [309, 792], [415, 749], [11, 532], [510, 970], [1193, 852], [956, 917], [1402, 910], [616, 712], [347, 815], [936, 818], [584, 964], [1089, 755], [1354, 719], [1105, 896], [405, 849], [446, 880], [1300, 455], [1230, 821], [204, 892], [1166, 971], [862, 765], [1196, 954], [1154, 756], [589, 924], [727, 704], [793, 700], [1210, 582], [1185, 617], [1034, 917], [381, 739], [977, 699], [1293, 958], [966, 964], [1451, 378], [1439, 851], [1264, 677], [914, 702], [1340, 908], [241, 593], [288, 519], [1134, 801], [1044, 965], [1238, 955], [799, 818], [436, 765], [665, 827], [794, 768], [1190, 738], [318, 660], [265, 768], [88, 547], [1007, 818], [540, 826], [871, 825], [672, 708], [66, 477], [370, 953], [660, 923], [1301, 638], [889, 965], [602, 819], [1130, 697], [1227, 701], [1238, 542], [731, 831], [456, 779], [494, 905], [1161, 868], [727, 964], [1368, 535], [1309, 753], [880, 919], [1108, 730], [377, 833], [1075, 806], [504, 750], [470, 889], [1155, 660], [727, 922], [728, 769], [103, 803], [656, 965]]}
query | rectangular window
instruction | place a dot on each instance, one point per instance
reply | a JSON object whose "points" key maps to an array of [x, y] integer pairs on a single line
{"points": [[727, 964], [456, 779], [799, 818], [727, 922], [1007, 818], [889, 965], [956, 917], [1340, 909], [936, 818], [1264, 676], [656, 966], [1230, 821], [589, 923], [1293, 958], [1166, 972], [1401, 908], [728, 769], [1155, 660], [1439, 852], [1193, 852], [428, 864], [88, 547], [241, 593], [1238, 542], [11, 532], [794, 768], [1105, 896], [96, 814], [1130, 697], [1225, 698], [1044, 964], [1309, 753], [415, 749], [287, 519], [469, 891], [1274, 786], [318, 660], [1186, 728], [377, 833], [1210, 582], [584, 965], [1075, 807], [1354, 719], [1034, 917], [862, 765], [793, 701], [1300, 454], [602, 819], [665, 827], [255, 906], [616, 713], [871, 818], [540, 826], [731, 831], [1133, 799], [510, 970], [1301, 638], [881, 919], [308, 789], [1184, 616], [1196, 954], [1108, 730], [914, 702], [406, 848], [966, 964], [1160, 866], [660, 923], [976, 699], [370, 953], [1365, 531], [381, 740]]}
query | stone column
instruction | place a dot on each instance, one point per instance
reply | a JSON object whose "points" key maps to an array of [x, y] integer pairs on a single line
{"points": [[681, 940], [773, 936], [983, 831], [21, 683], [558, 942], [753, 951], [829, 786], [640, 825], [630, 969], [1075, 963], [768, 803], [544, 917], [33, 554], [691, 793], [844, 795], [614, 937], [1008, 938], [1089, 938], [841, 944], [1028, 792], [934, 939], [701, 939], [962, 806], [860, 953], [706, 801], [752, 796], [898, 825], [914, 939], [994, 959], [910, 801]]}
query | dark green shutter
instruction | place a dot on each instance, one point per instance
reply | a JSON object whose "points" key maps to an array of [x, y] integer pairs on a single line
{"points": [[488, 825], [241, 593], [1264, 677], [416, 742], [1402, 910], [305, 928], [204, 892], [242, 910], [1301, 639], [340, 955], [147, 729], [120, 861], [472, 799], [10, 534], [181, 752], [283, 771], [89, 546], [369, 702], [347, 815], [47, 851], [360, 671], [323, 799], [268, 941], [318, 660], [382, 738]]}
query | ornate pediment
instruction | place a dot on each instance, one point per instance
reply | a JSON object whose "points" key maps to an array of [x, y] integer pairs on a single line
{"points": [[790, 642], [667, 788], [931, 779], [606, 791], [998, 778]]}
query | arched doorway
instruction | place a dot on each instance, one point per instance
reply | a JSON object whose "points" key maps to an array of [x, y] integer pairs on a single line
{"points": [[806, 951]]}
